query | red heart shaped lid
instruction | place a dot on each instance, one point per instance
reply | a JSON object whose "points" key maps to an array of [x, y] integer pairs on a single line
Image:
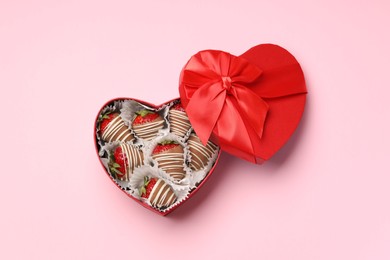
{"points": [[249, 105]]}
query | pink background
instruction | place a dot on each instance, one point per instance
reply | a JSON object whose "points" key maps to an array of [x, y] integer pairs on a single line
{"points": [[325, 195]]}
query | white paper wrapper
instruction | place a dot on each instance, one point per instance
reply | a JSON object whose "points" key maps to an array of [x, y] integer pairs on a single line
{"points": [[105, 162]]}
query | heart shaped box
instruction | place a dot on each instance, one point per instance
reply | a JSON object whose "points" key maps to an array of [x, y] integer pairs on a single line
{"points": [[272, 74]]}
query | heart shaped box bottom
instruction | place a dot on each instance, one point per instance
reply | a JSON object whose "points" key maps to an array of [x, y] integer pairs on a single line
{"points": [[134, 156]]}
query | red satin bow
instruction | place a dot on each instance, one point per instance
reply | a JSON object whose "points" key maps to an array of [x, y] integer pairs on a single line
{"points": [[221, 95], [215, 80]]}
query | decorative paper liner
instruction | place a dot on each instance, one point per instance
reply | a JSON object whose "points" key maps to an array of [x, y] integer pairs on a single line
{"points": [[127, 108]]}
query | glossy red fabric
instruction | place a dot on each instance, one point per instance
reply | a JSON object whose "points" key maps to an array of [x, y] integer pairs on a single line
{"points": [[225, 97]]}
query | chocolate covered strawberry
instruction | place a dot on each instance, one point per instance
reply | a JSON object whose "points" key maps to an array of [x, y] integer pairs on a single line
{"points": [[200, 154], [124, 159], [179, 122], [113, 128], [157, 192], [146, 124], [169, 156]]}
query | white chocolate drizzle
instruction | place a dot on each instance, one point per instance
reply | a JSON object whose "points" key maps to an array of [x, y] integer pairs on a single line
{"points": [[134, 158], [113, 128], [179, 122], [197, 162], [148, 130], [161, 195], [171, 163]]}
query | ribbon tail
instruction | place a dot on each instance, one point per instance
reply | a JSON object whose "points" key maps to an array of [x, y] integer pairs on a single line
{"points": [[207, 98], [247, 100], [234, 138]]}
